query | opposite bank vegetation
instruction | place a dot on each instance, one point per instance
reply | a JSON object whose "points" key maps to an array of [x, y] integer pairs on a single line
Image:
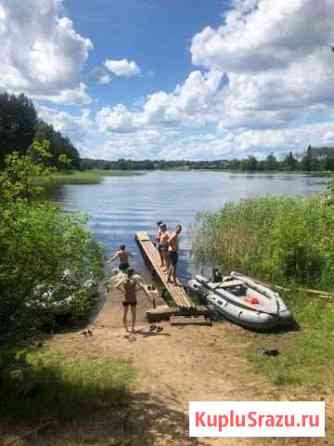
{"points": [[288, 242]]}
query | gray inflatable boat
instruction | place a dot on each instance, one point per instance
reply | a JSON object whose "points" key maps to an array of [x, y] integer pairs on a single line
{"points": [[243, 301]]}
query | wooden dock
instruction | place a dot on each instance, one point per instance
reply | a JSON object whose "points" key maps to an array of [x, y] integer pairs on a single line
{"points": [[152, 256]]}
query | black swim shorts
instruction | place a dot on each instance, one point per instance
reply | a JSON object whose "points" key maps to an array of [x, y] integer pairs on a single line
{"points": [[173, 257], [123, 266], [126, 304]]}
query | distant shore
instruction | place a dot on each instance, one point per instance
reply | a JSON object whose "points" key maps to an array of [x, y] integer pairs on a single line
{"points": [[82, 177], [96, 176]]}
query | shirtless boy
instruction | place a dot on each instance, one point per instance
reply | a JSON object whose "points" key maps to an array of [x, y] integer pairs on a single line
{"points": [[173, 254], [123, 255], [163, 246]]}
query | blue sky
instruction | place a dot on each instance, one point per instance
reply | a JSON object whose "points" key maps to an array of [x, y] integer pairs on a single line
{"points": [[155, 33], [175, 79]]}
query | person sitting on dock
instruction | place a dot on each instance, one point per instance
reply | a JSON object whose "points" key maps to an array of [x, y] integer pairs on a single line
{"points": [[123, 255], [173, 254], [130, 284], [163, 247]]}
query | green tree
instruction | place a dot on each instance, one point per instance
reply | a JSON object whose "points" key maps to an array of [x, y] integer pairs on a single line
{"points": [[271, 163], [290, 162], [307, 160], [38, 242], [18, 118], [250, 164], [17, 181], [59, 145]]}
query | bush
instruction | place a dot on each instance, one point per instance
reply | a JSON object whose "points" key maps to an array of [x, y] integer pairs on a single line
{"points": [[279, 239], [38, 242]]}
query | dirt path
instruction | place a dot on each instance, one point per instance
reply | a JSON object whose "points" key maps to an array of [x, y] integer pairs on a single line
{"points": [[176, 366]]}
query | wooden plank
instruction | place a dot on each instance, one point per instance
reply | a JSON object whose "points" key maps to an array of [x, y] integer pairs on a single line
{"points": [[143, 236], [161, 313], [164, 312], [183, 320], [177, 293]]}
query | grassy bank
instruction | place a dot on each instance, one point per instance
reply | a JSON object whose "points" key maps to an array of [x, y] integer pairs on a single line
{"points": [[306, 356], [81, 177], [285, 241], [39, 384]]}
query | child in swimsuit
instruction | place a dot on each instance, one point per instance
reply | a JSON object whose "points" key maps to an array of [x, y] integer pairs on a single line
{"points": [[123, 255], [130, 285], [173, 254], [163, 246]]}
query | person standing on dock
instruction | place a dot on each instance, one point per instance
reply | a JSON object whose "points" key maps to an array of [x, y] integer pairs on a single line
{"points": [[163, 247], [157, 239], [123, 255], [173, 254], [130, 284]]}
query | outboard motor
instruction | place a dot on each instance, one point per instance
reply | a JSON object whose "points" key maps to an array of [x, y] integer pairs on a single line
{"points": [[216, 275]]}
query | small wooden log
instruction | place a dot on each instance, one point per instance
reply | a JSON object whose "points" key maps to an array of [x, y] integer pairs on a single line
{"points": [[190, 320]]}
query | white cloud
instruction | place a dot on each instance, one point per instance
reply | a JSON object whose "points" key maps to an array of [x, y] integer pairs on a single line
{"points": [[101, 76], [277, 59], [74, 96], [261, 35], [190, 104], [41, 53], [116, 119], [80, 128], [122, 67], [104, 79]]}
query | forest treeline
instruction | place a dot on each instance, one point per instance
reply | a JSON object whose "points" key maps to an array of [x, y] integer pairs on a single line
{"points": [[313, 160], [20, 126]]}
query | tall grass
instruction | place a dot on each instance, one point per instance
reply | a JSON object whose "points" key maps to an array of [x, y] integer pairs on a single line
{"points": [[81, 177], [285, 240]]}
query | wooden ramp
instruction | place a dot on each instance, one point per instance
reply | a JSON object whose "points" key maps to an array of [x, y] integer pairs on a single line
{"points": [[151, 254]]}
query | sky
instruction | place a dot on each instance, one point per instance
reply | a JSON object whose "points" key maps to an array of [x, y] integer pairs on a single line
{"points": [[175, 79]]}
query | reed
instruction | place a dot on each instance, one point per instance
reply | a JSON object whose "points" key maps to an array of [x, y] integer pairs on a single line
{"points": [[81, 177], [281, 240]]}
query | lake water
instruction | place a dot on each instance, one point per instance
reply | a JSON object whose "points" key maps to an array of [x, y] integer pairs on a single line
{"points": [[122, 205]]}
